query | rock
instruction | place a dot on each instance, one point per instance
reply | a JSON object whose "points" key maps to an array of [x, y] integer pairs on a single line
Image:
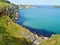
{"points": [[46, 38], [35, 39], [16, 15], [37, 42]]}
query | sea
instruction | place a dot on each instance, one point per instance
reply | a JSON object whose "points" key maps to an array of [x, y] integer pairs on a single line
{"points": [[44, 20]]}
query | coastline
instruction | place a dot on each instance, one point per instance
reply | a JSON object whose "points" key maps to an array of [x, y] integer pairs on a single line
{"points": [[39, 32]]}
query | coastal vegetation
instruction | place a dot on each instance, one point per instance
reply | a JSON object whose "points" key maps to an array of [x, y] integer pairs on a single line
{"points": [[10, 31], [54, 40], [13, 34]]}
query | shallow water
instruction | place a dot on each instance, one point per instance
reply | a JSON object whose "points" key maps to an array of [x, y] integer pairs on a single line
{"points": [[41, 18]]}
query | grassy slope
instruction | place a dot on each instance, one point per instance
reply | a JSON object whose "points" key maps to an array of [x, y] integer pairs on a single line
{"points": [[4, 4], [55, 40], [10, 33]]}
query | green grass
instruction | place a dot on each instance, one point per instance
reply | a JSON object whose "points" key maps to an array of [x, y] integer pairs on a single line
{"points": [[55, 40], [4, 4], [13, 28], [10, 32], [8, 40]]}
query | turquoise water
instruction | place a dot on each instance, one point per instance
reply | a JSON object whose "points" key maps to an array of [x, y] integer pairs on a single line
{"points": [[42, 18]]}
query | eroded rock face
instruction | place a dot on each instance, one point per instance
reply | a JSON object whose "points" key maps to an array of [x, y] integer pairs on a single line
{"points": [[1, 12], [16, 15], [37, 42], [5, 10], [35, 39]]}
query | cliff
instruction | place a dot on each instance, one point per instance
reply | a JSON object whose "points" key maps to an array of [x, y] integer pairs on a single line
{"points": [[10, 31]]}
